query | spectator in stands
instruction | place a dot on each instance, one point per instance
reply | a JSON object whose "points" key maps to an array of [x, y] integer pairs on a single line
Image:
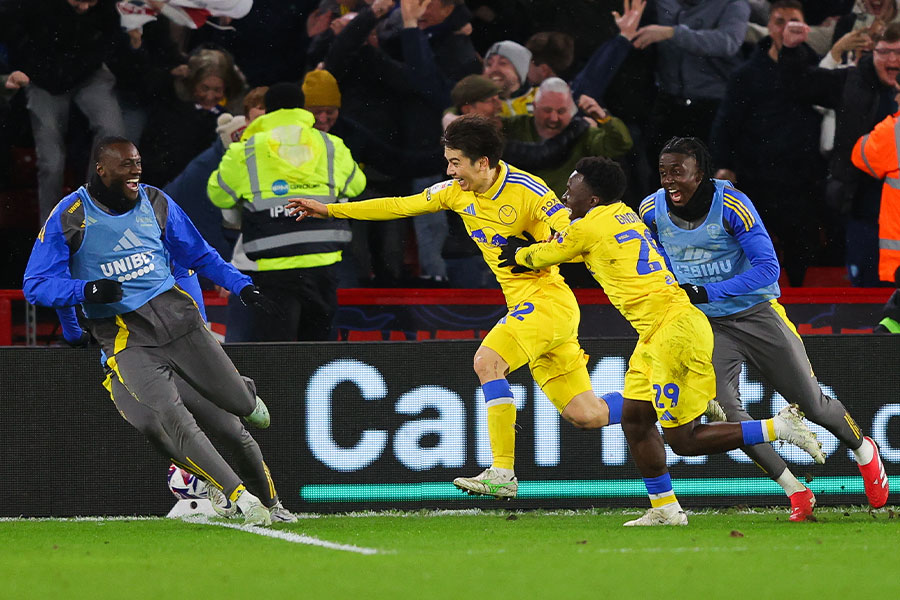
{"points": [[554, 109], [63, 46], [766, 143], [862, 96], [297, 266], [183, 123], [189, 186], [697, 49], [507, 64], [552, 53]]}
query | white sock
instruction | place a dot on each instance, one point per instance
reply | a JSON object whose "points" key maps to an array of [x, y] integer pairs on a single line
{"points": [[789, 483], [865, 453]]}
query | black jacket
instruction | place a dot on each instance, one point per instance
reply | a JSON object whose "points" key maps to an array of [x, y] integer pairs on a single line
{"points": [[55, 46], [760, 132], [859, 99]]}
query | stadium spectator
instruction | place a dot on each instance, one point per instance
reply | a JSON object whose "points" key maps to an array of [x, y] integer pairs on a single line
{"points": [[280, 154], [766, 143], [63, 46], [862, 96], [507, 63], [183, 122], [697, 46], [148, 328], [723, 257], [554, 111]]}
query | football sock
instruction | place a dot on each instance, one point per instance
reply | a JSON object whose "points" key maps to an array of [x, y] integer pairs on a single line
{"points": [[659, 489], [757, 432], [501, 417], [789, 483], [614, 401], [865, 453]]}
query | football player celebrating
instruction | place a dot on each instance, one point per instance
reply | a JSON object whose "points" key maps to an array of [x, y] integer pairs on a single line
{"points": [[496, 200], [670, 376]]}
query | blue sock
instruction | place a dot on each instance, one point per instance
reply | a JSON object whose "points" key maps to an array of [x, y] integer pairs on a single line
{"points": [[614, 401], [753, 432], [658, 485]]}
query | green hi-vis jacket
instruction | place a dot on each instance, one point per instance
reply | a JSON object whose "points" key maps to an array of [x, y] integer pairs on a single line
{"points": [[281, 156]]}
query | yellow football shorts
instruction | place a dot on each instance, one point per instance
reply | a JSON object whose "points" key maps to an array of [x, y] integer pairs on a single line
{"points": [[672, 367], [542, 332]]}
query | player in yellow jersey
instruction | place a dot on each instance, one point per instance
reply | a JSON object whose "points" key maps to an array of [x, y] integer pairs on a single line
{"points": [[670, 371], [496, 201]]}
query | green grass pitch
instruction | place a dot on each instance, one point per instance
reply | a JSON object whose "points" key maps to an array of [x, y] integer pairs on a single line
{"points": [[846, 553]]}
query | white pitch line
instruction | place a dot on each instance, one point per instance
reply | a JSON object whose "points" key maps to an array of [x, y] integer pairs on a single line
{"points": [[287, 536]]}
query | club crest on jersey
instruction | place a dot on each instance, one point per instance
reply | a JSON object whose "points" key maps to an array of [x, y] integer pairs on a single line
{"points": [[507, 214], [436, 188], [713, 229]]}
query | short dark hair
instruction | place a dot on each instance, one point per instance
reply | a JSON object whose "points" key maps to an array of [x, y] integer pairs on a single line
{"points": [[552, 48], [284, 94], [692, 147], [890, 34], [793, 4], [104, 143], [475, 136], [604, 176]]}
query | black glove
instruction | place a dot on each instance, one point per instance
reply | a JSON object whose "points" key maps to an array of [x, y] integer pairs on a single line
{"points": [[82, 341], [102, 291], [252, 297], [508, 252], [696, 293]]}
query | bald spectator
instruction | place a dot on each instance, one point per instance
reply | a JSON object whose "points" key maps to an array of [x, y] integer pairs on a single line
{"points": [[554, 110]]}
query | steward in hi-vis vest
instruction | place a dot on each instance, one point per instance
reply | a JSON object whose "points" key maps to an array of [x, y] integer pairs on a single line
{"points": [[282, 156]]}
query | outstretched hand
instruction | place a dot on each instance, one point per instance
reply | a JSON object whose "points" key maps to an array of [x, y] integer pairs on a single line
{"points": [[303, 207], [513, 245]]}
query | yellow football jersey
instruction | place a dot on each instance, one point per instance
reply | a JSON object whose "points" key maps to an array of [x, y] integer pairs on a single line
{"points": [[516, 202], [621, 254]]}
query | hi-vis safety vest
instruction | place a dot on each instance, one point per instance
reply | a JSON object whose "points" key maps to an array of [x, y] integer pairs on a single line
{"points": [[281, 156], [877, 154]]}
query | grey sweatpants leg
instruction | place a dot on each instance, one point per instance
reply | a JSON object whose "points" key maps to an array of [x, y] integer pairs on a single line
{"points": [[49, 122], [224, 427], [765, 338], [148, 374]]}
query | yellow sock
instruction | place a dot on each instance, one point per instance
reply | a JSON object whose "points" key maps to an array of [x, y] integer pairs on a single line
{"points": [[502, 433]]}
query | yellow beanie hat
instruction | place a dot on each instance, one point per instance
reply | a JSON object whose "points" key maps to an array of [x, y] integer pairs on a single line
{"points": [[321, 89]]}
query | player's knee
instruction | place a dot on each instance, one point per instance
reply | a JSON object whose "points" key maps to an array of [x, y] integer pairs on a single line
{"points": [[487, 368]]}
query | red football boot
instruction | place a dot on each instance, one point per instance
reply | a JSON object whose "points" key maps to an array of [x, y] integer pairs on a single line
{"points": [[802, 505], [874, 478]]}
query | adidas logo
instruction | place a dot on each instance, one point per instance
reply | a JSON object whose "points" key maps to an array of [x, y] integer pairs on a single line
{"points": [[667, 416], [128, 241], [470, 210]]}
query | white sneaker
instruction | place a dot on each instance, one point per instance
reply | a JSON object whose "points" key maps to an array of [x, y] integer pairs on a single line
{"points": [[789, 426], [714, 412], [222, 505], [280, 514], [490, 482], [658, 516], [254, 511]]}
